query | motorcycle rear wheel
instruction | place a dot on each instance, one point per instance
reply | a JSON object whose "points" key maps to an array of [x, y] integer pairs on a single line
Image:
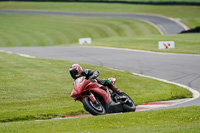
{"points": [[93, 108], [129, 106]]}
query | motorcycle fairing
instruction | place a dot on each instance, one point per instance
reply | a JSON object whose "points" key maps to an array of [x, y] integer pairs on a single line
{"points": [[79, 89], [104, 93], [82, 86]]}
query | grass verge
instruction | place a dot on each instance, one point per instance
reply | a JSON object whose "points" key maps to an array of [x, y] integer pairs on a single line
{"points": [[160, 121], [36, 30], [34, 88], [184, 43], [44, 30], [188, 14]]}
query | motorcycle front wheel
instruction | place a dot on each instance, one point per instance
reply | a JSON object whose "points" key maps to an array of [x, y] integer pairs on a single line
{"points": [[93, 107]]}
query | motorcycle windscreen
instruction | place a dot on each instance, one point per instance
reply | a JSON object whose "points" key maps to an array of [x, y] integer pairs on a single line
{"points": [[79, 85]]}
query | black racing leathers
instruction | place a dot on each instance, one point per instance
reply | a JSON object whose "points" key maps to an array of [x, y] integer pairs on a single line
{"points": [[89, 74]]}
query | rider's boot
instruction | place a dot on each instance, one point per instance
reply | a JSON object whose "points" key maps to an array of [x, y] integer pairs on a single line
{"points": [[109, 84], [115, 89]]}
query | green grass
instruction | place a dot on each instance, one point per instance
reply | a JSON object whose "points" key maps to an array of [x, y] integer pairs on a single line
{"points": [[178, 120], [184, 13], [192, 22], [184, 43], [34, 88], [37, 30]]}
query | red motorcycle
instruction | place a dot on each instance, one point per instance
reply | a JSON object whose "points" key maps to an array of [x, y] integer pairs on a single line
{"points": [[98, 100]]}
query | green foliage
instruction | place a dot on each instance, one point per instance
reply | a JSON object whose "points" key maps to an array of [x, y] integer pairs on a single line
{"points": [[154, 0]]}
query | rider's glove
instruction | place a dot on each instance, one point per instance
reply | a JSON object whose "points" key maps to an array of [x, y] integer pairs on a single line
{"points": [[94, 76]]}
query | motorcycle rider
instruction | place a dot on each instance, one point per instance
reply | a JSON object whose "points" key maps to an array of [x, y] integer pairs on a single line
{"points": [[76, 71]]}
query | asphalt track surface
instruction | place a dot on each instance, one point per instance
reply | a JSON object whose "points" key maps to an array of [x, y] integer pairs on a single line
{"points": [[179, 68]]}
